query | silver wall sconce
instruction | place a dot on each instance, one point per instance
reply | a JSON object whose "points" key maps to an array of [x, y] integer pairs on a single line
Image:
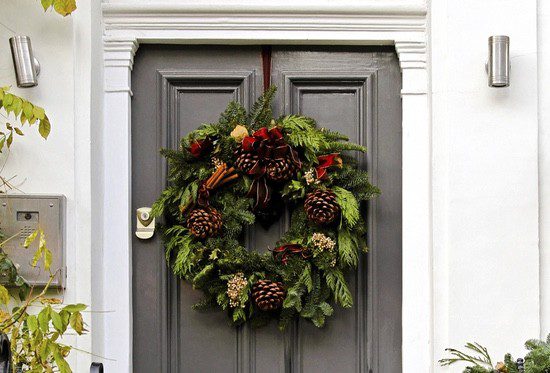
{"points": [[498, 65], [26, 66]]}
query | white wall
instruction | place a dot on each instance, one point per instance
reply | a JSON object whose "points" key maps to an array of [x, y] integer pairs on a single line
{"points": [[485, 178], [544, 159], [60, 165]]}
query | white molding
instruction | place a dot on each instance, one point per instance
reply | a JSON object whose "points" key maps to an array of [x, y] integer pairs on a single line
{"points": [[371, 22]]}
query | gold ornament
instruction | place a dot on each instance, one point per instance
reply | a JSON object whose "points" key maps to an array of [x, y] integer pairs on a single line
{"points": [[239, 133]]}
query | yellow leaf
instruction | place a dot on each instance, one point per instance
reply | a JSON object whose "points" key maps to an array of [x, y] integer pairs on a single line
{"points": [[4, 316], [4, 295], [44, 127], [64, 7], [38, 112], [29, 240], [45, 300], [27, 109], [77, 323]]}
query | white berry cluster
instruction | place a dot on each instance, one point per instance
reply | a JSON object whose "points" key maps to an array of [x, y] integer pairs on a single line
{"points": [[310, 177], [322, 242], [235, 287]]}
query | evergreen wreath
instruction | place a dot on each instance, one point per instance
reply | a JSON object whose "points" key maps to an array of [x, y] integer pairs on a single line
{"points": [[227, 176]]}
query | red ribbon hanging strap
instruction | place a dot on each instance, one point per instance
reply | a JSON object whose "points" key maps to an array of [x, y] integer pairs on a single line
{"points": [[266, 65]]}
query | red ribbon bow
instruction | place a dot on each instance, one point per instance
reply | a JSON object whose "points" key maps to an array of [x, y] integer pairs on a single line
{"points": [[326, 161], [284, 252], [268, 145]]}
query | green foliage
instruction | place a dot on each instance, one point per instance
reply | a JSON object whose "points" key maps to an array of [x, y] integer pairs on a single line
{"points": [[25, 112], [301, 132], [63, 7], [480, 357], [536, 361], [34, 337], [348, 252], [261, 113], [348, 204], [337, 283], [538, 358], [313, 283]]}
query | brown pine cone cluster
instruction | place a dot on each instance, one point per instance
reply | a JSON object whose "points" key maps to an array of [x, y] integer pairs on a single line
{"points": [[268, 295], [280, 170], [204, 222], [321, 206], [245, 160]]}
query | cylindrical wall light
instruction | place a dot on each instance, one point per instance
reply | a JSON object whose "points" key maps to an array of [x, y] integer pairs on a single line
{"points": [[498, 65], [26, 66]]}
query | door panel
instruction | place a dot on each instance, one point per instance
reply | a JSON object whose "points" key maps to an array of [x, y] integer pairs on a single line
{"points": [[353, 90]]}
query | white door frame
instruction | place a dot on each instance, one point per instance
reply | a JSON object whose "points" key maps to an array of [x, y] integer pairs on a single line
{"points": [[344, 22]]}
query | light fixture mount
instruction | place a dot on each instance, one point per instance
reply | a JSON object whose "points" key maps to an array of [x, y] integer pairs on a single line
{"points": [[27, 67]]}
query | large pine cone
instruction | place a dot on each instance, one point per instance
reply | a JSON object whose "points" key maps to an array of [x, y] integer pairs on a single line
{"points": [[268, 295], [321, 206], [204, 222], [245, 160], [280, 170]]}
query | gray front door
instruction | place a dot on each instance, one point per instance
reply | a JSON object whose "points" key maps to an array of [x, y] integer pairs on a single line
{"points": [[355, 90]]}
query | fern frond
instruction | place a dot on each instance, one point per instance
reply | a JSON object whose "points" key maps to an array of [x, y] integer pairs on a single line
{"points": [[261, 113], [337, 283], [348, 205], [348, 253]]}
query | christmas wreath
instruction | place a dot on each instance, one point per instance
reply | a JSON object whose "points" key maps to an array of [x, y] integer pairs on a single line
{"points": [[250, 168]]}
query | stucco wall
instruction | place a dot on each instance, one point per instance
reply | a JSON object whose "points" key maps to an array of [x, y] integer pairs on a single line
{"points": [[60, 165], [485, 178], [544, 159]]}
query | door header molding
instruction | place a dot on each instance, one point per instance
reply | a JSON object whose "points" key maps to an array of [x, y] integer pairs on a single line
{"points": [[400, 23], [381, 22]]}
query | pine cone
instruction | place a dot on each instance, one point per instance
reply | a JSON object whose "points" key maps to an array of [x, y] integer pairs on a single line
{"points": [[280, 170], [245, 160], [204, 222], [268, 295], [321, 206]]}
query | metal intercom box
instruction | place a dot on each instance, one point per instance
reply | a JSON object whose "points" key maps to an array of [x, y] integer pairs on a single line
{"points": [[20, 216]]}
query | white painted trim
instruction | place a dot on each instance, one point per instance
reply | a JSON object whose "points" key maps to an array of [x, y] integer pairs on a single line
{"points": [[371, 22]]}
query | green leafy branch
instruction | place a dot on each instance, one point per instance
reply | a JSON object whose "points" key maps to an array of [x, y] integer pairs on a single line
{"points": [[25, 112], [34, 338], [481, 359]]}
